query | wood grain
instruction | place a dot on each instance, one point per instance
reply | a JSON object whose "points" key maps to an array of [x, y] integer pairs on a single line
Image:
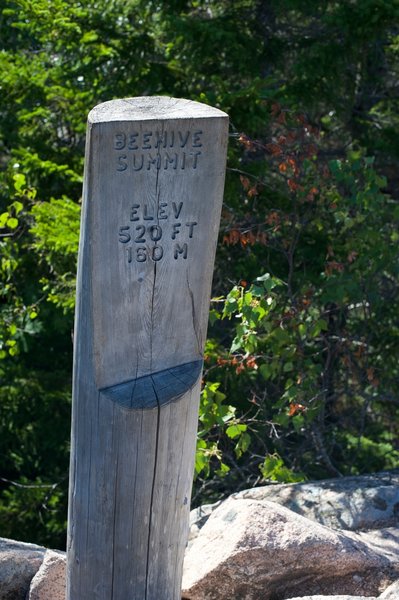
{"points": [[153, 188]]}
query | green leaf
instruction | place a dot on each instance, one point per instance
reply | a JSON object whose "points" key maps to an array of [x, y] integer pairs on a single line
{"points": [[19, 181], [265, 371], [89, 37], [17, 206], [273, 468], [12, 223], [234, 431], [288, 367], [243, 444], [236, 344], [222, 470], [263, 278], [214, 316]]}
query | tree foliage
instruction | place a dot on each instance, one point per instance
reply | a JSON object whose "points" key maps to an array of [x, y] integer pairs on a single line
{"points": [[301, 370]]}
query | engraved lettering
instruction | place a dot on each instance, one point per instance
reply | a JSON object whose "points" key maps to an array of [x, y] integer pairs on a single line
{"points": [[196, 139], [161, 139], [180, 250], [157, 253], [133, 212], [175, 230], [139, 165], [154, 161], [172, 160], [122, 165], [183, 138], [141, 254], [191, 226], [195, 156], [133, 141], [146, 216], [146, 235], [162, 214], [155, 232], [177, 209], [139, 239], [120, 141], [124, 238], [146, 140], [161, 157]]}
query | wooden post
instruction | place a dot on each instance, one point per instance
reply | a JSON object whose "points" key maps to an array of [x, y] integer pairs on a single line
{"points": [[153, 190]]}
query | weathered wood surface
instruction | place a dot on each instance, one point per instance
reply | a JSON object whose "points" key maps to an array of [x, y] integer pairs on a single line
{"points": [[153, 189]]}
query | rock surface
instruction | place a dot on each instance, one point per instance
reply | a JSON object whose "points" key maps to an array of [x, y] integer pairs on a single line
{"points": [[335, 598], [251, 549], [198, 518], [278, 542], [391, 593], [49, 581], [18, 564], [355, 503]]}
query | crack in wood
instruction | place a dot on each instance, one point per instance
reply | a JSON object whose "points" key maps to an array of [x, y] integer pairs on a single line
{"points": [[114, 516], [194, 319], [152, 496], [158, 406]]}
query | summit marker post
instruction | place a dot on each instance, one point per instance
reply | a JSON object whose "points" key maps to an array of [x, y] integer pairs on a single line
{"points": [[153, 188]]}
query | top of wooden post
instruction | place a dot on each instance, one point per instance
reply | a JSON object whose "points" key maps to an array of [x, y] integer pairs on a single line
{"points": [[152, 108], [153, 194]]}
